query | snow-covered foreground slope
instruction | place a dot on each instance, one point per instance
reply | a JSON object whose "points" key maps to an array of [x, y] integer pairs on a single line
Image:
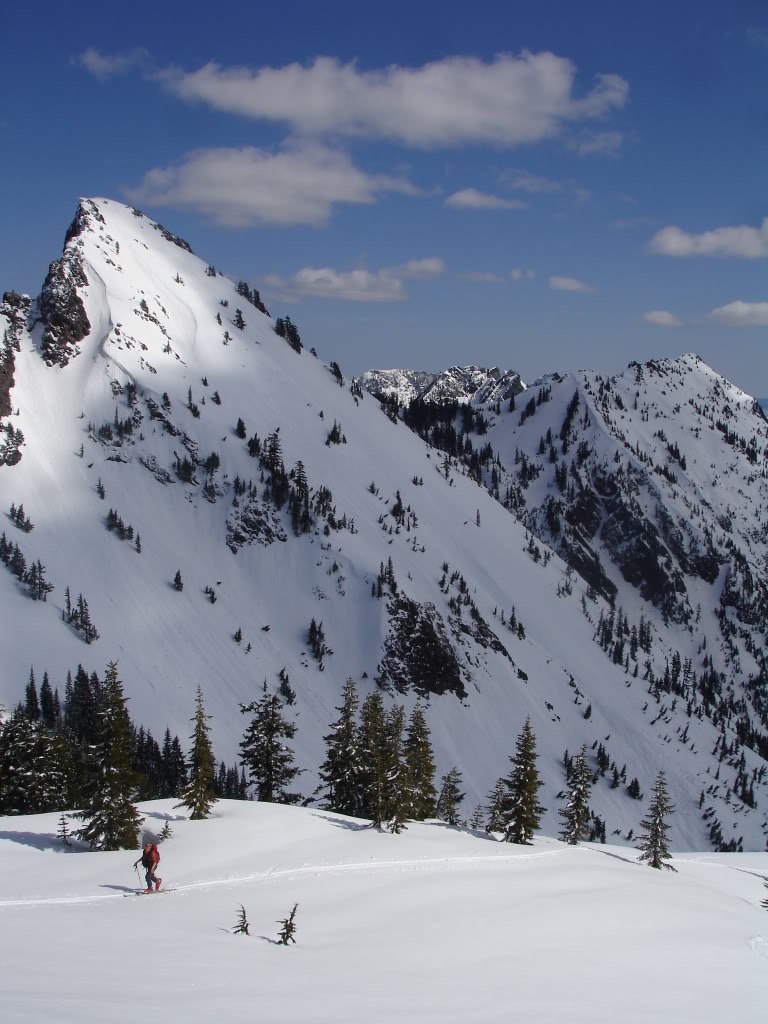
{"points": [[437, 924]]}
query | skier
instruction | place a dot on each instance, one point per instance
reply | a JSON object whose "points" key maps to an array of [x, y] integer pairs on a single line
{"points": [[150, 858]]}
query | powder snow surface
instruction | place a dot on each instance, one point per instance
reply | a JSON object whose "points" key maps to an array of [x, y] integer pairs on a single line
{"points": [[436, 924]]}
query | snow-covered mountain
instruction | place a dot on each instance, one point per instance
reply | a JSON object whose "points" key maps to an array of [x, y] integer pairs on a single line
{"points": [[456, 384], [588, 552]]}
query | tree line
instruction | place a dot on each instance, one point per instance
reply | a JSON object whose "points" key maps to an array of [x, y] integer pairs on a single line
{"points": [[86, 753]]}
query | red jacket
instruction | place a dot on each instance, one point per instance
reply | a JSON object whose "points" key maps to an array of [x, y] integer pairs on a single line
{"points": [[150, 858]]}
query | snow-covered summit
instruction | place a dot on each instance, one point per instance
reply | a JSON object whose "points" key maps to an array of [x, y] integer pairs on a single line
{"points": [[472, 384]]}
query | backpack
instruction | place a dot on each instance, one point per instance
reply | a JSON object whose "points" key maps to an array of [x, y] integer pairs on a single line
{"points": [[153, 857]]}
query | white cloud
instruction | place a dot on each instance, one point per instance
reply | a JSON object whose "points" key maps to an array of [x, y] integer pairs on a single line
{"points": [[741, 314], [474, 199], [430, 267], [569, 284], [481, 277], [744, 241], [239, 187], [518, 273], [606, 143], [506, 101], [108, 65], [384, 285], [662, 318], [523, 182]]}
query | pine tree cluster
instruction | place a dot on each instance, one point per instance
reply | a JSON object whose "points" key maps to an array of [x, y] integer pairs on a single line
{"points": [[20, 518], [33, 576], [114, 522], [378, 768], [53, 752], [286, 328], [79, 617]]}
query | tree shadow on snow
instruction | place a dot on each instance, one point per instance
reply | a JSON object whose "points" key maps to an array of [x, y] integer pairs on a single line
{"points": [[162, 816], [478, 833], [351, 824], [42, 841]]}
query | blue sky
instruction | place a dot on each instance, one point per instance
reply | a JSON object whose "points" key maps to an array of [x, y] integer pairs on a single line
{"points": [[537, 185]]}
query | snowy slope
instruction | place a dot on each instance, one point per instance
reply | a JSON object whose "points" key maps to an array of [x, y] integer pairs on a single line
{"points": [[151, 308], [434, 924]]}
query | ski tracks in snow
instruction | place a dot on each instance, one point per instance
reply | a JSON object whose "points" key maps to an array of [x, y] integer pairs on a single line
{"points": [[273, 874]]}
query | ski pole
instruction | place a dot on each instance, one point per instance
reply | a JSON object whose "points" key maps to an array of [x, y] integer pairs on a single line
{"points": [[137, 872]]}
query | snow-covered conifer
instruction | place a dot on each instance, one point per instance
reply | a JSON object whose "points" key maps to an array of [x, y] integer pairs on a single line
{"points": [[521, 811], [421, 766], [447, 808], [341, 773], [575, 814], [654, 848], [112, 821]]}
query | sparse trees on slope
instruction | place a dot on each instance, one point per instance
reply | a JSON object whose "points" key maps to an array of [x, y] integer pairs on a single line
{"points": [[199, 796], [654, 845], [112, 821], [268, 760], [342, 771], [575, 814], [521, 812]]}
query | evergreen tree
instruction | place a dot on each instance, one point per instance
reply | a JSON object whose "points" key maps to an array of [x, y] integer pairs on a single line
{"points": [[48, 710], [31, 771], [112, 822], [178, 584], [521, 810], [268, 760], [447, 808], [494, 821], [576, 814], [653, 846], [373, 767], [421, 766], [289, 928], [341, 773], [242, 927], [198, 796], [31, 703], [397, 792], [63, 831]]}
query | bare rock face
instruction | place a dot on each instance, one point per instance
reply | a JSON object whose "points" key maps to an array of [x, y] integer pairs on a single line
{"points": [[418, 654], [65, 322], [15, 308]]}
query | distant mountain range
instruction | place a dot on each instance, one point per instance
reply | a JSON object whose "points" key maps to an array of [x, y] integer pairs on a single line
{"points": [[588, 551]]}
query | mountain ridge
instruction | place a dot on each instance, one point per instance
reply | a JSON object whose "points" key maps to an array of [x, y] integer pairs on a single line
{"points": [[140, 401]]}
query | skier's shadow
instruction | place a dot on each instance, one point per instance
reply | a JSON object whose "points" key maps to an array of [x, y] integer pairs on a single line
{"points": [[119, 888]]}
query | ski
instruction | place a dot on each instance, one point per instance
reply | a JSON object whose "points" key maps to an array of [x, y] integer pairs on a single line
{"points": [[141, 892]]}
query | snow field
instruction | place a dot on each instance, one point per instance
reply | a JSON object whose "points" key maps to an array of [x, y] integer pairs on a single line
{"points": [[437, 924]]}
